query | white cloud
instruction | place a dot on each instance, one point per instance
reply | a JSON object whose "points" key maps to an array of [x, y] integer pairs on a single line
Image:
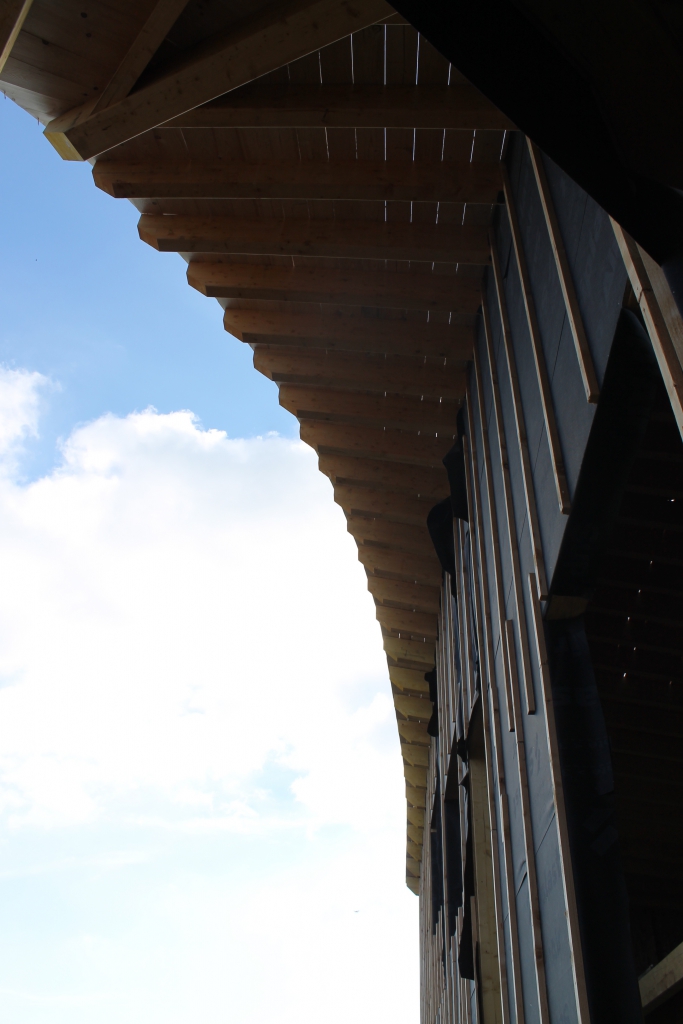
{"points": [[188, 650], [19, 409]]}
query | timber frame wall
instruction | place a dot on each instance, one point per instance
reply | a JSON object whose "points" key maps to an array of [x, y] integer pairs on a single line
{"points": [[551, 304], [413, 273]]}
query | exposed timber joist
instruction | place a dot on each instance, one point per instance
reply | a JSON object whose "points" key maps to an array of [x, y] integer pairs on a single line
{"points": [[459, 107], [415, 539], [359, 180], [408, 680], [391, 505], [393, 445], [344, 333], [429, 485], [281, 34], [12, 17], [415, 623], [400, 564], [449, 293], [392, 411], [372, 240], [406, 595], [347, 370], [412, 652], [419, 710]]}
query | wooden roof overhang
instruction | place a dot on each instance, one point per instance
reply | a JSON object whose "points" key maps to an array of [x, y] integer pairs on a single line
{"points": [[329, 178]]}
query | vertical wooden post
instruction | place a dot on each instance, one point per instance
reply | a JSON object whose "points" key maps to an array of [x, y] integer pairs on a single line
{"points": [[495, 542], [578, 972], [496, 738], [522, 439], [486, 917], [539, 355], [529, 850], [660, 313], [513, 543], [583, 352]]}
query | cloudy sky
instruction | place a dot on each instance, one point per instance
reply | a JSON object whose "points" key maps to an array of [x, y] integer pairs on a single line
{"points": [[201, 799]]}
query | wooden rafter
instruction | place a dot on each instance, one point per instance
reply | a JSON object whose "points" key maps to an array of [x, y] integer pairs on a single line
{"points": [[415, 539], [393, 445], [390, 505], [362, 239], [282, 34], [343, 333], [378, 289], [360, 180], [342, 369], [420, 482], [395, 412], [458, 107]]}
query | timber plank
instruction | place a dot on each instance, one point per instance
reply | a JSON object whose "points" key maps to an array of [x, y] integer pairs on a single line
{"points": [[393, 505], [408, 680], [401, 621], [460, 107], [413, 707], [276, 37], [394, 374], [343, 333], [378, 289], [431, 485], [396, 535], [393, 445], [400, 564], [364, 180], [410, 653], [413, 596], [362, 239], [415, 732], [397, 413], [417, 756]]}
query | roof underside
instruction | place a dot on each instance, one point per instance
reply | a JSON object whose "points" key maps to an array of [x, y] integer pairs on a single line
{"points": [[337, 207]]}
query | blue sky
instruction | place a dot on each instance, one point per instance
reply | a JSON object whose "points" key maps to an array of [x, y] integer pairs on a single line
{"points": [[112, 321], [202, 813]]}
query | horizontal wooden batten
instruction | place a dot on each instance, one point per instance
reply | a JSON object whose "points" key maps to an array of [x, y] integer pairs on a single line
{"points": [[413, 623], [365, 373], [460, 107], [391, 411], [431, 485], [357, 180], [449, 293], [411, 596], [282, 33], [393, 445], [372, 240], [340, 333]]}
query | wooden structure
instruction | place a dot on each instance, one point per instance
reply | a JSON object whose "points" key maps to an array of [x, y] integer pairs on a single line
{"points": [[466, 337]]}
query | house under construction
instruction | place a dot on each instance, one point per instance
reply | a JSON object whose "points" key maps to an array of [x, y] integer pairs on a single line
{"points": [[452, 233]]}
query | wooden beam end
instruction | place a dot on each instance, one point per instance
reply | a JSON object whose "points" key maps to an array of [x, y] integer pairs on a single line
{"points": [[61, 143]]}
